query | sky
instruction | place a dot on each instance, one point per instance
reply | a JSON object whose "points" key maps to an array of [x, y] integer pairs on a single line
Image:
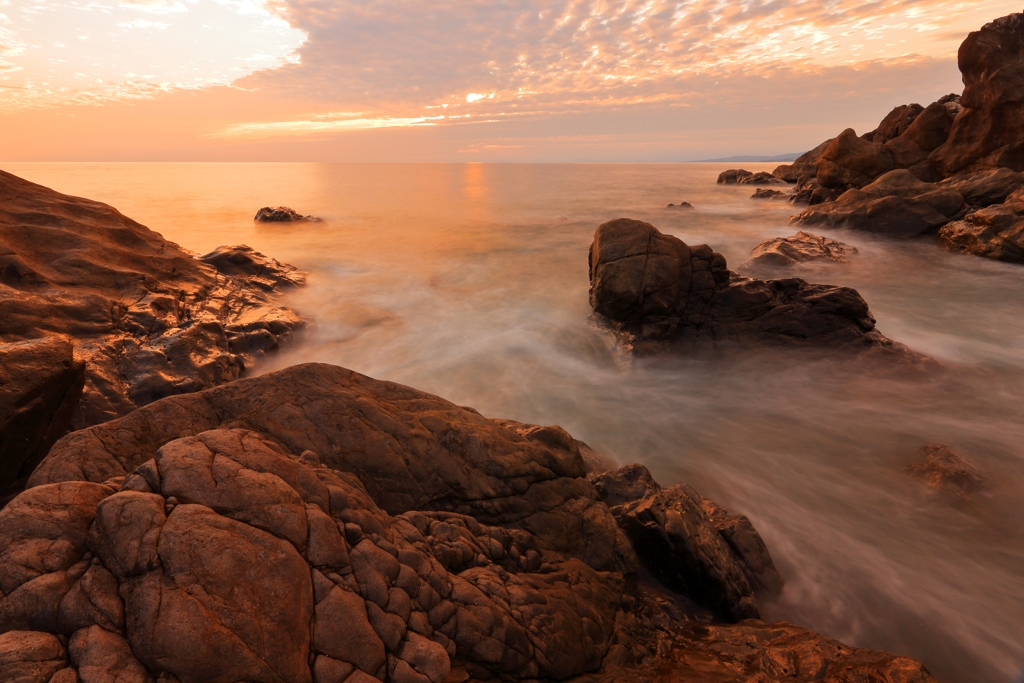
{"points": [[468, 80]]}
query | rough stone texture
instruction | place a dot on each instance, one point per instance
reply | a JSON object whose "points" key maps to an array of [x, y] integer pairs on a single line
{"points": [[764, 193], [895, 123], [802, 247], [747, 547], [624, 485], [283, 214], [741, 176], [40, 384], [413, 451], [985, 188], [897, 204], [944, 469], [661, 294], [148, 318], [989, 131], [314, 525], [996, 232], [30, 656]]}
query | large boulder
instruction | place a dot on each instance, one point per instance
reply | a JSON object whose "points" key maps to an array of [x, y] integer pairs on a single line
{"points": [[411, 450], [314, 525], [148, 318], [662, 294], [989, 131], [805, 166], [803, 247], [40, 384]]}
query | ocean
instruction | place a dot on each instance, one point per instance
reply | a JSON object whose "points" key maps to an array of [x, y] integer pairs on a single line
{"points": [[470, 281]]}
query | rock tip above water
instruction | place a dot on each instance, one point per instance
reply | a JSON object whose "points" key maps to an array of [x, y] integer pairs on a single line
{"points": [[283, 214]]}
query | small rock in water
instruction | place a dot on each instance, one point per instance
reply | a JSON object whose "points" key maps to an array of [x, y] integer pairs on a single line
{"points": [[799, 248], [765, 193], [283, 214], [946, 470], [680, 205]]}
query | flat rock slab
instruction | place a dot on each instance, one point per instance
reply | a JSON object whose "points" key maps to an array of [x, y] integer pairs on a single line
{"points": [[803, 247]]}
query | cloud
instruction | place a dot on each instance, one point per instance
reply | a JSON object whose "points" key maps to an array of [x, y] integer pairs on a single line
{"points": [[320, 124]]}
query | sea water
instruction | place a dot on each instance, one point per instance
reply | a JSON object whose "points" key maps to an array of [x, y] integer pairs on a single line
{"points": [[470, 281]]}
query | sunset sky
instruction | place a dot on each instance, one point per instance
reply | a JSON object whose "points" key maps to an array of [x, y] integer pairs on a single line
{"points": [[520, 80]]}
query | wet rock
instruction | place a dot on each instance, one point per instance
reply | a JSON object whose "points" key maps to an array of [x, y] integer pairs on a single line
{"points": [[944, 469], [763, 193], [996, 232], [897, 204], [40, 384], [988, 132], [802, 247], [743, 177], [283, 214], [148, 318], [219, 546], [660, 295], [747, 547], [679, 545], [680, 205], [250, 266]]}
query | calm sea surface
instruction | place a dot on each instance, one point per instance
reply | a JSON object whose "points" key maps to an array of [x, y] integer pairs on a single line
{"points": [[470, 281]]}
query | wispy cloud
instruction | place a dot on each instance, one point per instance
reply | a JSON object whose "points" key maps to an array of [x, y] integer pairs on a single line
{"points": [[320, 123]]}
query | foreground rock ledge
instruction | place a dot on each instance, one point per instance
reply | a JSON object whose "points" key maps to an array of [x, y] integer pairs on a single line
{"points": [[665, 295], [148, 318], [316, 525]]}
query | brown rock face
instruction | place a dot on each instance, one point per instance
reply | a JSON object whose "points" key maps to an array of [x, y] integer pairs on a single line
{"points": [[148, 318], [40, 384], [283, 214], [946, 470], [420, 542], [804, 167], [989, 132], [802, 247], [663, 294], [996, 232], [739, 176]]}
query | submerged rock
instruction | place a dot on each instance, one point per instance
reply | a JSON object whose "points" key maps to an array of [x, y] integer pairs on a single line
{"points": [[40, 384], [764, 193], [802, 247], [317, 525], [680, 205], [944, 469], [283, 214], [147, 317], [663, 294]]}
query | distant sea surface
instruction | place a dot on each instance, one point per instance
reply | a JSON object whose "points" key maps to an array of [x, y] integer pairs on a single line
{"points": [[470, 281]]}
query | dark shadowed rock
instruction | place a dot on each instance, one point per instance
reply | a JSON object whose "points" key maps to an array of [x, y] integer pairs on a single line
{"points": [[733, 176], [851, 161], [148, 318], [250, 266], [40, 384], [283, 214], [624, 485], [765, 193], [679, 545], [985, 188], [989, 131], [747, 547], [680, 205], [802, 247], [944, 469], [662, 294], [996, 232], [739, 176], [895, 123]]}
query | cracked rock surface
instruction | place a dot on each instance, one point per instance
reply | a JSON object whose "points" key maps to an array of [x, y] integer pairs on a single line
{"points": [[148, 318], [315, 525]]}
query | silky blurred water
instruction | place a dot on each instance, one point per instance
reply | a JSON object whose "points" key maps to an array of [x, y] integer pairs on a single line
{"points": [[470, 281]]}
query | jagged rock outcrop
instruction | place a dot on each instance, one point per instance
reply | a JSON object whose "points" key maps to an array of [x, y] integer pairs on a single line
{"points": [[314, 525], [148, 318], [661, 294], [805, 166], [989, 131], [971, 145], [40, 384], [803, 247], [283, 214]]}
